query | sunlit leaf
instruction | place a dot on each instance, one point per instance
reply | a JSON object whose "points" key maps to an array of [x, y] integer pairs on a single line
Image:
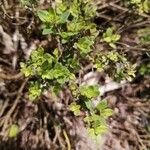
{"points": [[64, 16], [13, 131], [47, 31], [91, 91]]}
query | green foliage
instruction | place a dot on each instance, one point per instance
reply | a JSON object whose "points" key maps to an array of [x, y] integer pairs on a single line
{"points": [[70, 22], [110, 37], [29, 2], [84, 44], [91, 91], [97, 120], [74, 89], [35, 90], [70, 19], [13, 131], [145, 69], [144, 35], [75, 108], [48, 68], [121, 68], [143, 6]]}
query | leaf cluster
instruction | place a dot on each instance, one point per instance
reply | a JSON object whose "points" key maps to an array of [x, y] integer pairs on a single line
{"points": [[110, 37], [97, 119], [115, 64], [141, 6], [48, 68], [70, 22]]}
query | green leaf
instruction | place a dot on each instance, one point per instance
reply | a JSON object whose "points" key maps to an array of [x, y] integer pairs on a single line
{"points": [[90, 9], [100, 129], [26, 70], [135, 1], [47, 16], [58, 1], [84, 45], [44, 15], [13, 131], [56, 89], [92, 118], [35, 90], [145, 69], [102, 105], [89, 105], [109, 32], [47, 31], [113, 56], [146, 6], [115, 37], [74, 64], [74, 26], [74, 9], [75, 108], [108, 39], [106, 112], [112, 45], [91, 132], [36, 54], [66, 36], [60, 7], [64, 16], [91, 91], [56, 53]]}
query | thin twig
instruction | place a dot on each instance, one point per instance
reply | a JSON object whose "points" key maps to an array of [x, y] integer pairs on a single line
{"points": [[133, 48], [118, 7], [67, 140], [4, 106], [23, 19], [5, 61], [138, 24], [8, 115], [10, 77]]}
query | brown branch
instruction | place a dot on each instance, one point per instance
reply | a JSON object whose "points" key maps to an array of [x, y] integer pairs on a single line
{"points": [[132, 48], [8, 115], [5, 61], [10, 77], [4, 107]]}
